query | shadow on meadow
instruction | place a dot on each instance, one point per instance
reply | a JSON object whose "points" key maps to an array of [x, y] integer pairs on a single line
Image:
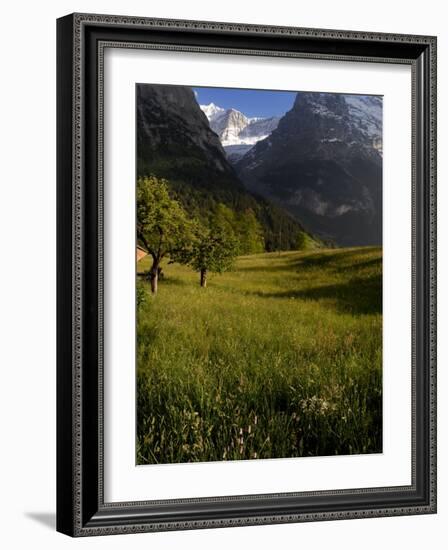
{"points": [[334, 260], [359, 296], [339, 260]]}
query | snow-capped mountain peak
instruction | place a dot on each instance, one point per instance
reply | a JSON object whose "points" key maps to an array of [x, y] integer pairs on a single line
{"points": [[237, 132], [211, 110]]}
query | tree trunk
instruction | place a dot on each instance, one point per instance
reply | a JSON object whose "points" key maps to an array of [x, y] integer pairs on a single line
{"points": [[203, 278], [154, 278]]}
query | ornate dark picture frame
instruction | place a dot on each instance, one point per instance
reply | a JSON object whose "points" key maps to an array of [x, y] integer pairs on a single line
{"points": [[81, 509]]}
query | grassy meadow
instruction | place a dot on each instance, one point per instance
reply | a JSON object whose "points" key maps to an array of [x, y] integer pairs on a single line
{"points": [[280, 357]]}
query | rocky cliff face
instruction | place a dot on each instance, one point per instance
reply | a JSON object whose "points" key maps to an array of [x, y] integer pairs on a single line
{"points": [[323, 164], [170, 125]]}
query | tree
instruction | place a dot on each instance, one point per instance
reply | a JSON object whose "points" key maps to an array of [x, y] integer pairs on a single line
{"points": [[250, 233], [213, 250], [163, 226], [305, 242], [243, 225]]}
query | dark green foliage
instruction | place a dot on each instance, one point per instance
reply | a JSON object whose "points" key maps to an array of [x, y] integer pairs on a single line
{"points": [[202, 192], [242, 226], [250, 233]]}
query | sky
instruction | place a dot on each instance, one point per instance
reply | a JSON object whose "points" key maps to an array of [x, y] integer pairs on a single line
{"points": [[252, 103]]}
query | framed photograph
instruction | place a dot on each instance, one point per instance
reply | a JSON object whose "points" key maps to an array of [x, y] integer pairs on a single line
{"points": [[246, 274]]}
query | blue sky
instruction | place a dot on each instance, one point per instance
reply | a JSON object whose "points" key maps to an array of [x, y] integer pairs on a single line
{"points": [[250, 102]]}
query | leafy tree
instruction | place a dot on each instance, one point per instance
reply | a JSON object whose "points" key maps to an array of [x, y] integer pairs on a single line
{"points": [[163, 226], [213, 250], [305, 242], [250, 233], [224, 218], [243, 226]]}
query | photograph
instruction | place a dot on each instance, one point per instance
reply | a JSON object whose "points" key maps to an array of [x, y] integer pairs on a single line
{"points": [[246, 274], [258, 274]]}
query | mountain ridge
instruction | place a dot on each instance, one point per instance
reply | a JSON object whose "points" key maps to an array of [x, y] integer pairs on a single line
{"points": [[323, 163]]}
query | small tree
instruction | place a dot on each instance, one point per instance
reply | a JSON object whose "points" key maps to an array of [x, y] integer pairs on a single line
{"points": [[213, 250], [163, 226]]}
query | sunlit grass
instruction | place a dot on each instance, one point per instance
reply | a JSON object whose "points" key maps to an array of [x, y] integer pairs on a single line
{"points": [[279, 358]]}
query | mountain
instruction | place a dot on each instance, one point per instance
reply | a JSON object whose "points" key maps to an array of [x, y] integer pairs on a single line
{"points": [[323, 163], [237, 132], [212, 111], [228, 125], [175, 141]]}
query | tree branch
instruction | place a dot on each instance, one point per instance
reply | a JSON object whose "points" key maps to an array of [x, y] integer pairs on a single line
{"points": [[146, 245]]}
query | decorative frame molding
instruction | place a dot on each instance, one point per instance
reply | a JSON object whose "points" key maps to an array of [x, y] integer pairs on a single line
{"points": [[81, 42]]}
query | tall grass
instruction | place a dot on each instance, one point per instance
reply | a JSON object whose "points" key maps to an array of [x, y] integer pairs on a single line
{"points": [[279, 358]]}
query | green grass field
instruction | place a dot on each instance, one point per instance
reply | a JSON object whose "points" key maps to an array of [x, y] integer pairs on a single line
{"points": [[279, 358]]}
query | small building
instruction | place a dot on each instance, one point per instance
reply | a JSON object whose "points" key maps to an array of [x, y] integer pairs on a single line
{"points": [[141, 253]]}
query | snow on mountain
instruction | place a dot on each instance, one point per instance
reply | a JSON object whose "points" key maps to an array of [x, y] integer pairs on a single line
{"points": [[229, 125], [211, 110], [237, 132], [367, 114], [258, 129]]}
